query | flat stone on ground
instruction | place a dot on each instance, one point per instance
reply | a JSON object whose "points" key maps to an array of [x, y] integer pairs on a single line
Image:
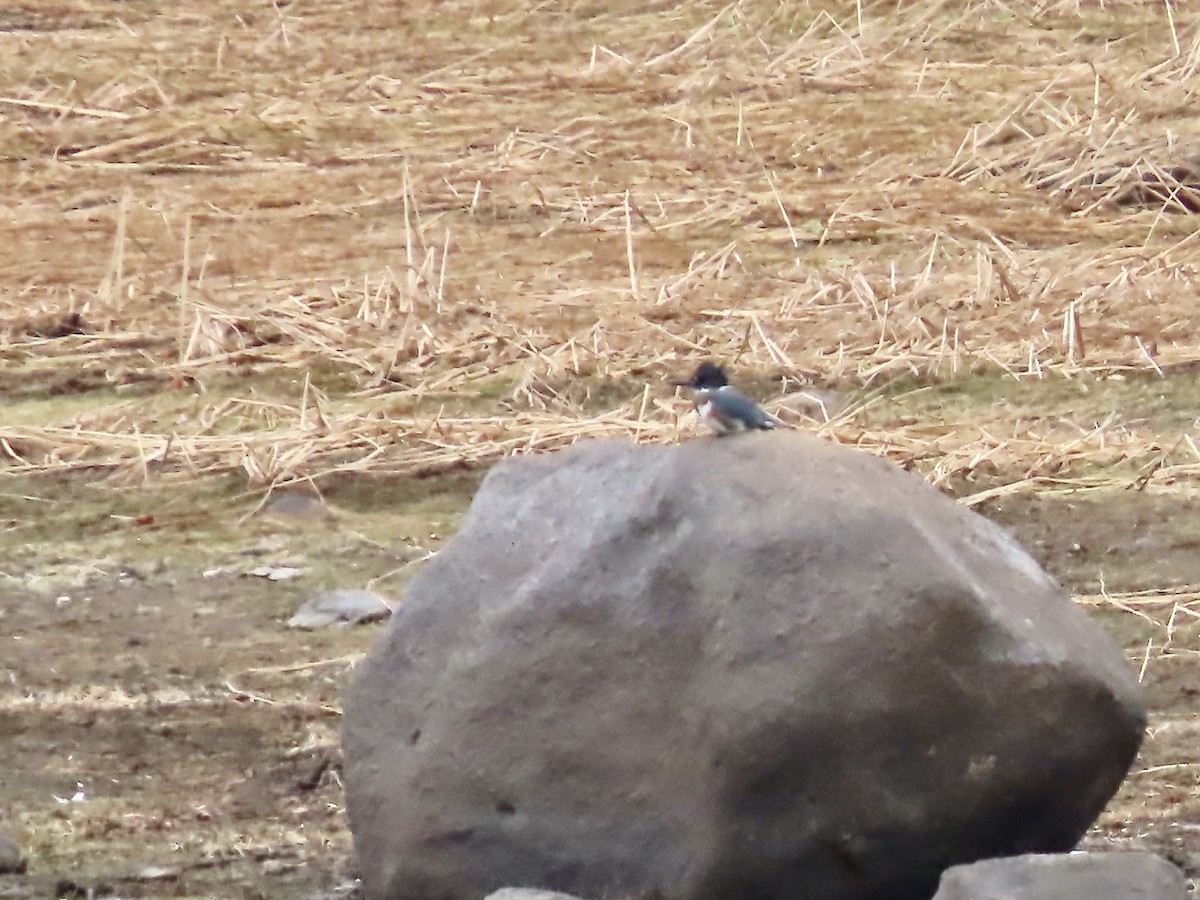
{"points": [[1074, 876], [343, 606]]}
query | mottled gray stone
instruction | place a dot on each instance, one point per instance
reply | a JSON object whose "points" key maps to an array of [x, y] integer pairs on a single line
{"points": [[1075, 876], [340, 607], [12, 861], [762, 666]]}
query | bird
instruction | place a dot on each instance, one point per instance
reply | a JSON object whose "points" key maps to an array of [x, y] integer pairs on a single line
{"points": [[721, 406]]}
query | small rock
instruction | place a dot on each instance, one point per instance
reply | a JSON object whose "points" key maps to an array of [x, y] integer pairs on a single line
{"points": [[1074, 876], [11, 860], [511, 893], [157, 873], [340, 607], [277, 573], [80, 795]]}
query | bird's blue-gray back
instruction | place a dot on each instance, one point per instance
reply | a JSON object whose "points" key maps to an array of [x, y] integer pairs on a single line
{"points": [[737, 406]]}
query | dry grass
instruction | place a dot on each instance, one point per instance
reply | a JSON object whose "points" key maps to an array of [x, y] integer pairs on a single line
{"points": [[482, 227]]}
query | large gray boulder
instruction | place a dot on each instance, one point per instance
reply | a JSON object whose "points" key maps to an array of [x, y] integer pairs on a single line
{"points": [[1077, 876], [758, 667]]}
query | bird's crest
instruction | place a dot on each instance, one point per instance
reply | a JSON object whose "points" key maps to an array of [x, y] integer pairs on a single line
{"points": [[709, 376]]}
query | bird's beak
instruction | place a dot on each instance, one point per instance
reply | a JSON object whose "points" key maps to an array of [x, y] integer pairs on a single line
{"points": [[681, 382]]}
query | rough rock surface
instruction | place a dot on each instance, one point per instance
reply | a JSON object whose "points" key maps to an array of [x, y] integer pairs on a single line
{"points": [[760, 667], [1078, 876]]}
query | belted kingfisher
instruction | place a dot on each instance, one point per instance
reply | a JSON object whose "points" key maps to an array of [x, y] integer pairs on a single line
{"points": [[721, 407]]}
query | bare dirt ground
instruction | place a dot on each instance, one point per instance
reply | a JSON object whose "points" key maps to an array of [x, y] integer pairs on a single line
{"points": [[367, 249]]}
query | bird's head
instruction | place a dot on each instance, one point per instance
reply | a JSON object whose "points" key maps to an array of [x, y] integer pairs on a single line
{"points": [[708, 376]]}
